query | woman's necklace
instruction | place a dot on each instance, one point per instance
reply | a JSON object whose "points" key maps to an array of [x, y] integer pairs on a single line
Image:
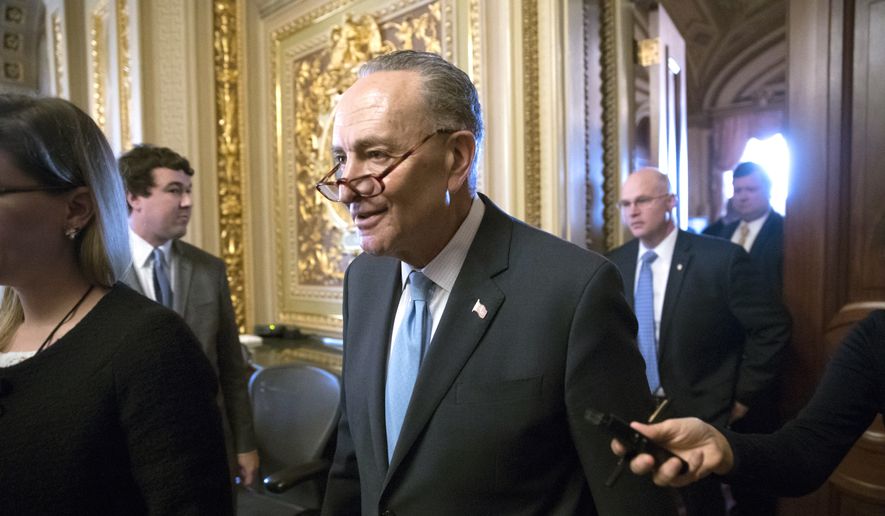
{"points": [[64, 319]]}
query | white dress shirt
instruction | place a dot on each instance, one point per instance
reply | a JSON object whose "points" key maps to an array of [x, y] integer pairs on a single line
{"points": [[755, 226], [443, 270], [660, 270], [142, 262]]}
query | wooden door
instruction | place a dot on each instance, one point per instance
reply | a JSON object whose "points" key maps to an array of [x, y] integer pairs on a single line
{"points": [[668, 107], [834, 269]]}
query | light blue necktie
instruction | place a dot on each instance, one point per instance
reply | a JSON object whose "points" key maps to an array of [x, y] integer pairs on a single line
{"points": [[162, 287], [405, 357], [645, 315]]}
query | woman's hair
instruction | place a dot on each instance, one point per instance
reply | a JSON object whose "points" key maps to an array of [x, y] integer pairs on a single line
{"points": [[56, 144]]}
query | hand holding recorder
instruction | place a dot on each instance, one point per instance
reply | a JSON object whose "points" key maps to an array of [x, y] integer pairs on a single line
{"points": [[700, 450]]}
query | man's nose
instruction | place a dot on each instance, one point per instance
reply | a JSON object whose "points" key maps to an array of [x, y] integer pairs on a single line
{"points": [[345, 194], [186, 200]]}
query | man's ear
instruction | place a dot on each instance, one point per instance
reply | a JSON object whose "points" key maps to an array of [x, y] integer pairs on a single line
{"points": [[133, 201], [462, 148], [81, 208]]}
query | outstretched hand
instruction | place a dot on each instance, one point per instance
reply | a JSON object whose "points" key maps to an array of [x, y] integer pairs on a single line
{"points": [[703, 447]]}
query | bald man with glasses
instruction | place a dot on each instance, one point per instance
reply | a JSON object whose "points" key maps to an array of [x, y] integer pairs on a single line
{"points": [[712, 335]]}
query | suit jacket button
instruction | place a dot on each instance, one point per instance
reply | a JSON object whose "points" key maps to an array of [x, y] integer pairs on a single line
{"points": [[388, 513]]}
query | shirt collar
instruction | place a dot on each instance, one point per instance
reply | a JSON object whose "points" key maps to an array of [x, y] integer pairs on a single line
{"points": [[142, 251], [756, 224], [443, 270], [665, 248]]}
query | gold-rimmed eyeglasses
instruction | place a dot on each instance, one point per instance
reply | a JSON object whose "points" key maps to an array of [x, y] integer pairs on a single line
{"points": [[640, 202], [5, 191], [366, 185]]}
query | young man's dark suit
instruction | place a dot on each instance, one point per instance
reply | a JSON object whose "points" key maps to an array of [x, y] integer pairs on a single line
{"points": [[767, 251], [496, 422], [722, 334], [202, 298]]}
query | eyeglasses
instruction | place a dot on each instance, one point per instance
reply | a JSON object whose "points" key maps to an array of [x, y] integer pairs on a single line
{"points": [[367, 185], [4, 191], [640, 202]]}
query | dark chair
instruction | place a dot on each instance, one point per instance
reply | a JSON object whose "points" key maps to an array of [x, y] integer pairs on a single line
{"points": [[295, 409]]}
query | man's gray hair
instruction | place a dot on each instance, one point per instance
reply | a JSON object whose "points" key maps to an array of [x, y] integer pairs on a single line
{"points": [[451, 99]]}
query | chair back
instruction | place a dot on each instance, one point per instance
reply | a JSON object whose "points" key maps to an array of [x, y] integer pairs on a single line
{"points": [[295, 410]]}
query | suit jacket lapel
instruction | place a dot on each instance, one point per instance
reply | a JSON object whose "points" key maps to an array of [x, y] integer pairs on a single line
{"points": [[385, 288], [765, 232], [628, 270], [183, 274], [678, 269], [130, 277], [460, 329]]}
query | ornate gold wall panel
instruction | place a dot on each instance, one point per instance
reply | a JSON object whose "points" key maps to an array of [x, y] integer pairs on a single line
{"points": [[227, 22], [58, 53], [532, 134], [111, 102], [125, 81], [98, 45], [314, 58]]}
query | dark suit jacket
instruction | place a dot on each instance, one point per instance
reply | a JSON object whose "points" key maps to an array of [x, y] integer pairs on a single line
{"points": [[722, 335], [767, 251], [496, 422], [202, 298]]}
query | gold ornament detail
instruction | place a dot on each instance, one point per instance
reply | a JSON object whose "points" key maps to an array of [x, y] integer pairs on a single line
{"points": [[58, 53], [320, 78], [230, 164], [531, 106], [124, 64], [319, 81], [423, 29], [99, 54]]}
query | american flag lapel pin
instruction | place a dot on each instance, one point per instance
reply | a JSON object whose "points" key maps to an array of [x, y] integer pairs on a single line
{"points": [[480, 309]]}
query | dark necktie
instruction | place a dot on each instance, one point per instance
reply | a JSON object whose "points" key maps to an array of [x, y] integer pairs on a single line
{"points": [[162, 286], [406, 355], [645, 315]]}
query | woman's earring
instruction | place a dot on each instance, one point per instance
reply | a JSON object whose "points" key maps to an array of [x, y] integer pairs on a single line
{"points": [[71, 233]]}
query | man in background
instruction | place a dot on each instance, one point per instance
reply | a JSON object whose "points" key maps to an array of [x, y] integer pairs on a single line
{"points": [[188, 280], [473, 343], [713, 337], [759, 230]]}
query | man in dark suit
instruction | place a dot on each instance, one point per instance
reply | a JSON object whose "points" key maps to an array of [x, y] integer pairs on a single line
{"points": [[473, 343], [715, 333], [190, 281], [760, 230]]}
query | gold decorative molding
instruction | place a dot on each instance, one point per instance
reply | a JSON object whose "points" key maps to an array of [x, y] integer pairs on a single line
{"points": [[475, 39], [531, 103], [58, 53], [648, 52], [316, 239], [589, 81], [99, 54], [226, 50], [610, 144], [124, 65]]}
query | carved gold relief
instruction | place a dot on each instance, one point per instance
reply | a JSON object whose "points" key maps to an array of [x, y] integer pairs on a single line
{"points": [[99, 55], [229, 171], [316, 239], [532, 143], [58, 53], [124, 73]]}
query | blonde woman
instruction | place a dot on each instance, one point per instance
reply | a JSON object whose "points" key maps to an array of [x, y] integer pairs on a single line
{"points": [[106, 401]]}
